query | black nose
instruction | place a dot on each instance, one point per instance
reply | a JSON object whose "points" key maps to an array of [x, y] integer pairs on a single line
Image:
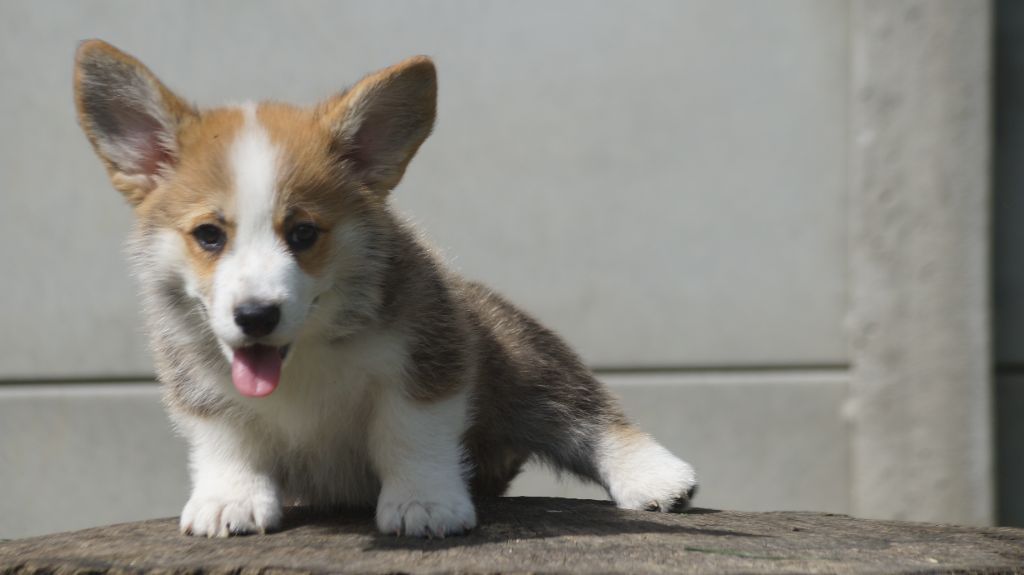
{"points": [[257, 319]]}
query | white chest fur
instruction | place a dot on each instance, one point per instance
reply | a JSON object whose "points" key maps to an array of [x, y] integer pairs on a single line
{"points": [[312, 432]]}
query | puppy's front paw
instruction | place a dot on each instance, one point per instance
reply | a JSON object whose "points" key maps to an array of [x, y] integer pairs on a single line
{"points": [[219, 516], [425, 515]]}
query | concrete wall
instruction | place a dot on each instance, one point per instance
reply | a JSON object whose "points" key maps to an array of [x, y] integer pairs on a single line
{"points": [[919, 245], [596, 136], [665, 183]]}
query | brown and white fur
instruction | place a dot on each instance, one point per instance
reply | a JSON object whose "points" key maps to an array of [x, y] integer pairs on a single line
{"points": [[402, 384]]}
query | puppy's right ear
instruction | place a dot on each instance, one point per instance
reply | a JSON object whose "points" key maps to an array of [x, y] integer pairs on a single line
{"points": [[131, 119]]}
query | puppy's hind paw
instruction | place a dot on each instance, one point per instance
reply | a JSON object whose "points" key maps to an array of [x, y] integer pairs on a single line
{"points": [[641, 474], [677, 504]]}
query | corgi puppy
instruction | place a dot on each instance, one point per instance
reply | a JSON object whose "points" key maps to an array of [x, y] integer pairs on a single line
{"points": [[312, 349]]}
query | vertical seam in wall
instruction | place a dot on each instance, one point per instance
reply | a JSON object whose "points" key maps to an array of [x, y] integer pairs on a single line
{"points": [[990, 280], [848, 236]]}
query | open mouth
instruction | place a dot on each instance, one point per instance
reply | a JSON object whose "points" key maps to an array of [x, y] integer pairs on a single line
{"points": [[256, 369]]}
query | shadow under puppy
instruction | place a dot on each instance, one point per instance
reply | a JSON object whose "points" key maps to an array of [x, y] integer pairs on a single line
{"points": [[312, 349]]}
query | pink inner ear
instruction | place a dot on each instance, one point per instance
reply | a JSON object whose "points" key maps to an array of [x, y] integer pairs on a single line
{"points": [[367, 137], [155, 155], [142, 136]]}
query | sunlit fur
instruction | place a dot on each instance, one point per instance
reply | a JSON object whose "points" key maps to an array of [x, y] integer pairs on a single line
{"points": [[404, 386]]}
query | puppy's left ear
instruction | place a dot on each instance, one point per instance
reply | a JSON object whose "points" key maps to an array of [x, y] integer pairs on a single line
{"points": [[378, 124]]}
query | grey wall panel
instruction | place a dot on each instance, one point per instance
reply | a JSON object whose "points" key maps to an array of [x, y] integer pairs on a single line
{"points": [[662, 182], [78, 456], [82, 455], [759, 442]]}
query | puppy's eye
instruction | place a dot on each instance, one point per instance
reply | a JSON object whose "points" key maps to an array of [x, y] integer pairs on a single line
{"points": [[302, 237], [210, 237]]}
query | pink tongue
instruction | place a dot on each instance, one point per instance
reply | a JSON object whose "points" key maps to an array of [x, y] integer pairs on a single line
{"points": [[256, 370]]}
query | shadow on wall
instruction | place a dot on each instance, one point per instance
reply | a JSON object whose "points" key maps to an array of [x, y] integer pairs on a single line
{"points": [[1008, 213]]}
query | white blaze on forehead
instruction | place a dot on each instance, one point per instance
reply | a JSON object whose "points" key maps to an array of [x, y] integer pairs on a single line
{"points": [[256, 265], [254, 167]]}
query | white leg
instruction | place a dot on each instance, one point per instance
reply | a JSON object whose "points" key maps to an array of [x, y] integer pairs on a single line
{"points": [[232, 492], [416, 449], [641, 474]]}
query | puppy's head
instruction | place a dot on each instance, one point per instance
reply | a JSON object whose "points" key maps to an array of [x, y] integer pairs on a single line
{"points": [[258, 211]]}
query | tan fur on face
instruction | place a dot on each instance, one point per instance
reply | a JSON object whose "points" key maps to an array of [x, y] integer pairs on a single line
{"points": [[200, 192], [312, 186]]}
